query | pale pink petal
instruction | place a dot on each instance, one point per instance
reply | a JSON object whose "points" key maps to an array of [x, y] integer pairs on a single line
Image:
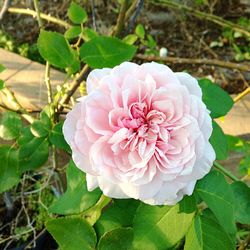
{"points": [[94, 78], [190, 82], [92, 182]]}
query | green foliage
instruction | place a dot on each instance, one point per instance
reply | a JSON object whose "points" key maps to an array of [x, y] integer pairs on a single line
{"points": [[72, 233], [77, 14], [104, 51], [215, 98], [139, 31], [218, 195], [205, 233], [161, 227], [41, 128], [130, 39], [56, 137], [72, 32], [119, 214], [10, 125], [219, 142], [27, 50], [8, 167], [33, 151], [77, 198], [2, 68], [54, 48], [239, 145], [120, 238], [2, 84], [242, 202], [88, 34]]}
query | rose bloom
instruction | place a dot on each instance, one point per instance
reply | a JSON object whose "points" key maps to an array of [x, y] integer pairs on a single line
{"points": [[141, 132]]}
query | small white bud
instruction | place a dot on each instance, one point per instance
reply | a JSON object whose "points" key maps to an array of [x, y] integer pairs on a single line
{"points": [[163, 52]]}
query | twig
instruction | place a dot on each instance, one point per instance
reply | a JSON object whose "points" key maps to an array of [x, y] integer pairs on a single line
{"points": [[11, 97], [43, 16], [93, 15], [75, 84], [121, 18], [47, 82], [225, 171], [242, 94], [131, 9], [134, 17], [29, 223], [215, 19], [179, 60], [4, 8], [38, 15], [245, 243]]}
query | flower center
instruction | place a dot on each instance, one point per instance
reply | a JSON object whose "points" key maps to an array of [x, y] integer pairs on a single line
{"points": [[141, 119]]}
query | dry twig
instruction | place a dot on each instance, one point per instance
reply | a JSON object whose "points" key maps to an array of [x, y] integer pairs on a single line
{"points": [[200, 61]]}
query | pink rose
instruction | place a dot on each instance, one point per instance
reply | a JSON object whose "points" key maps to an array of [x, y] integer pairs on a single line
{"points": [[142, 132]]}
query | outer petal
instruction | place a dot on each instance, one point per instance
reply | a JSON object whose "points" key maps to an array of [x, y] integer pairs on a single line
{"points": [[190, 82], [69, 126], [111, 189], [94, 78], [162, 74], [92, 182]]}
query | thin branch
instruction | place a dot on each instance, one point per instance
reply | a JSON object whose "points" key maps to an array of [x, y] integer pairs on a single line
{"points": [[131, 9], [215, 19], [121, 18], [47, 82], [4, 8], [18, 107], [93, 15], [38, 15], [134, 17], [225, 171], [43, 16], [75, 84], [244, 245], [200, 61], [242, 94]]}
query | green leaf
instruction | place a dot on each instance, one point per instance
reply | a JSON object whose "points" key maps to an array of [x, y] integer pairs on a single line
{"points": [[33, 151], [75, 66], [77, 198], [72, 233], [130, 39], [139, 31], [242, 202], [55, 49], [39, 129], [8, 168], [218, 195], [88, 34], [2, 84], [244, 167], [119, 214], [2, 68], [72, 32], [10, 125], [216, 99], [235, 143], [56, 137], [206, 234], [161, 227], [42, 127], [77, 14], [219, 142], [120, 238], [103, 51]]}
